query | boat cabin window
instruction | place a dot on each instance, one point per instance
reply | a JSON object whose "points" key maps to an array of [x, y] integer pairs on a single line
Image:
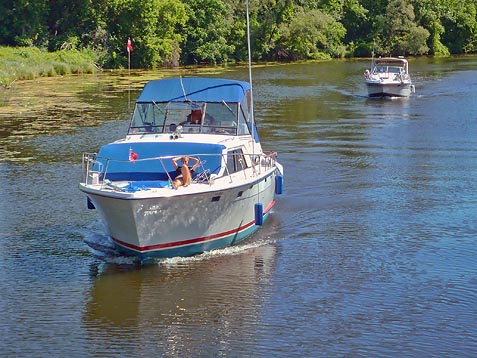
{"points": [[235, 161], [213, 118]]}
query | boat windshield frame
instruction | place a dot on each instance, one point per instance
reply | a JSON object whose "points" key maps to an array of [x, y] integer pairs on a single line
{"points": [[391, 63], [193, 117], [379, 68]]}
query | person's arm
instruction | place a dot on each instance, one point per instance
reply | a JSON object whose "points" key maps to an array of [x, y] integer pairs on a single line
{"points": [[196, 163], [174, 162]]}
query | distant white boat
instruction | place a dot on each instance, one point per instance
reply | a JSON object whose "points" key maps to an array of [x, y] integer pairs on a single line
{"points": [[389, 77]]}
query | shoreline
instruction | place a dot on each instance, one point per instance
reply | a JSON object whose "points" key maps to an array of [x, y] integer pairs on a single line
{"points": [[29, 63]]}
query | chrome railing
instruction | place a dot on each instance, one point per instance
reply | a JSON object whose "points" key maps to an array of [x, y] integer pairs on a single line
{"points": [[95, 168]]}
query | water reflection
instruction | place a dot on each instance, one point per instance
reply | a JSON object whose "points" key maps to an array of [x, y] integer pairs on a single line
{"points": [[182, 307]]}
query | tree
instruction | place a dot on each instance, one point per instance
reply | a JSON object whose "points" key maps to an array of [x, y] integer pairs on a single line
{"points": [[397, 32], [355, 20], [67, 20], [429, 13], [460, 22], [155, 27], [23, 22], [312, 34], [208, 30], [269, 19]]}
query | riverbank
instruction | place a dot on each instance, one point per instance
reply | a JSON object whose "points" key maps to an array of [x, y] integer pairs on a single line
{"points": [[27, 63]]}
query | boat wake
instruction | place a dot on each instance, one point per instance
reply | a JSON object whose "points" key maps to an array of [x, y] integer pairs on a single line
{"points": [[346, 93], [208, 255], [103, 248]]}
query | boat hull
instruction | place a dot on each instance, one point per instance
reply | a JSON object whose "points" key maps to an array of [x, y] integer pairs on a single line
{"points": [[184, 225], [376, 89]]}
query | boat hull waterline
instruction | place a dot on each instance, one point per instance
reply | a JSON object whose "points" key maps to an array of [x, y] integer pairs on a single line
{"points": [[376, 90]]}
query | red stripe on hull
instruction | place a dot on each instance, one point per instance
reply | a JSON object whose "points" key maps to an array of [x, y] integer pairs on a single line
{"points": [[190, 241]]}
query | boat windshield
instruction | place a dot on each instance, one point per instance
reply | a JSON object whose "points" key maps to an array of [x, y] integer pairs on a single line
{"points": [[204, 117], [388, 69]]}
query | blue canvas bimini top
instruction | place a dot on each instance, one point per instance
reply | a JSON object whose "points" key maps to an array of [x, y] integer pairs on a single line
{"points": [[193, 89]]}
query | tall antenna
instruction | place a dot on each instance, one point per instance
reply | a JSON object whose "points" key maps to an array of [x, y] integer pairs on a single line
{"points": [[372, 57], [250, 72], [258, 204]]}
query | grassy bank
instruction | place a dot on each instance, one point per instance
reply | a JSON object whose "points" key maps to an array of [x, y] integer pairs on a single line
{"points": [[26, 63]]}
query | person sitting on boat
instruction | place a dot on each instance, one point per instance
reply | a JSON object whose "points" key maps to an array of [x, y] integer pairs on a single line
{"points": [[194, 117], [185, 172]]}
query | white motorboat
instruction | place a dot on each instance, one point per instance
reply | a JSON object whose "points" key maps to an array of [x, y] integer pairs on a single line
{"points": [[233, 187], [389, 77]]}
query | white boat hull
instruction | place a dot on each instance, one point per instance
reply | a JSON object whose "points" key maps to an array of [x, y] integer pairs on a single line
{"points": [[182, 225], [382, 89]]}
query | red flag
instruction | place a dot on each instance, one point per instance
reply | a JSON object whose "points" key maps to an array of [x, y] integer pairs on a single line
{"points": [[129, 45], [132, 156]]}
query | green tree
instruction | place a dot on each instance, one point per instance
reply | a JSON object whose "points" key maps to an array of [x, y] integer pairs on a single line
{"points": [[238, 29], [208, 31], [312, 34], [451, 23], [67, 21], [268, 19], [460, 22], [155, 27], [398, 33], [173, 32], [355, 20], [429, 13], [23, 22]]}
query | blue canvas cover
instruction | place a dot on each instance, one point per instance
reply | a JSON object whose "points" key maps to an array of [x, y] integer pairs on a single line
{"points": [[194, 89]]}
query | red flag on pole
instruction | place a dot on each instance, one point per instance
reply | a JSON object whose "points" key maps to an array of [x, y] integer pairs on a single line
{"points": [[129, 45]]}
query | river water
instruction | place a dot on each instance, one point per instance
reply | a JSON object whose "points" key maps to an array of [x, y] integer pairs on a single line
{"points": [[370, 252]]}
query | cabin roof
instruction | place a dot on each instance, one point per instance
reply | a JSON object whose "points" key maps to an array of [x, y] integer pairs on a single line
{"points": [[194, 89], [390, 61]]}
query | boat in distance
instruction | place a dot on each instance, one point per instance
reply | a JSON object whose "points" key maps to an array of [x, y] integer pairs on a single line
{"points": [[154, 207], [389, 77]]}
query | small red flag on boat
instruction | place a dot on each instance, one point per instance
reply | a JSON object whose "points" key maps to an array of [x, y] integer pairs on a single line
{"points": [[129, 45], [132, 156]]}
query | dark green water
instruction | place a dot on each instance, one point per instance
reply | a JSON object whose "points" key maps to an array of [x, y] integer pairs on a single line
{"points": [[370, 252]]}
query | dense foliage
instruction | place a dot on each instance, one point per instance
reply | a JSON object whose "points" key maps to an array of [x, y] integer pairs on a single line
{"points": [[174, 32]]}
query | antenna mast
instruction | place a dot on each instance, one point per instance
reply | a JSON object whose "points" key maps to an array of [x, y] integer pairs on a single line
{"points": [[250, 72]]}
